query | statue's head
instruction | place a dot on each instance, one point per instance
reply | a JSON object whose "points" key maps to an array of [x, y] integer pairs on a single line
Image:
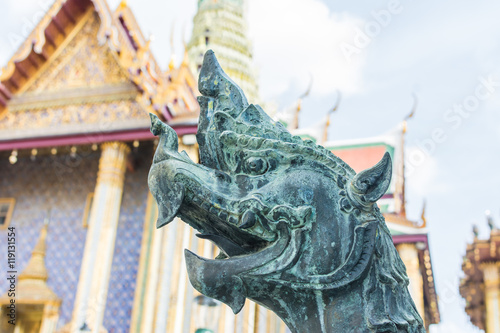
{"points": [[287, 215]]}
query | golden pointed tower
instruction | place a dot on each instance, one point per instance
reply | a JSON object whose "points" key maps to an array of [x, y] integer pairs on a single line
{"points": [[37, 306], [220, 25]]}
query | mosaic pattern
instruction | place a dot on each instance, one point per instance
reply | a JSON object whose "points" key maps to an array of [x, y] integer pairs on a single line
{"points": [[60, 183], [128, 245]]}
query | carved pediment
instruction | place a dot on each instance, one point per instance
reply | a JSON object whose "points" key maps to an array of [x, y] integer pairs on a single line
{"points": [[81, 63]]}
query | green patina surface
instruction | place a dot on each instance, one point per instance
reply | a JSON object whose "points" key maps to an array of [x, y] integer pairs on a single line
{"points": [[298, 231]]}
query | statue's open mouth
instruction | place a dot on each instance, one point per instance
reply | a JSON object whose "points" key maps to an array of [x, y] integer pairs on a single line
{"points": [[236, 224]]}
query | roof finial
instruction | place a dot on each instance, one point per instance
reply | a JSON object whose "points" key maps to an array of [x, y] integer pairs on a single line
{"points": [[400, 185], [332, 110], [171, 64], [123, 4], [489, 219], [412, 112], [424, 220], [475, 231], [295, 123]]}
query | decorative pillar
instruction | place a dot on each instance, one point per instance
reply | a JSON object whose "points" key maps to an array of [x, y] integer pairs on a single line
{"points": [[492, 296], [95, 271], [409, 255]]}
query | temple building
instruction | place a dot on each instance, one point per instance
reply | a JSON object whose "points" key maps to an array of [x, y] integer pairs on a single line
{"points": [[75, 141], [75, 150], [480, 286]]}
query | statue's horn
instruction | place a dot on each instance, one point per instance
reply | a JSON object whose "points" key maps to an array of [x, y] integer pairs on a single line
{"points": [[213, 82], [370, 185]]}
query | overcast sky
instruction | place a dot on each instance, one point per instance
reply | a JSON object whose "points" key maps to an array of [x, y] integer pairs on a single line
{"points": [[377, 53]]}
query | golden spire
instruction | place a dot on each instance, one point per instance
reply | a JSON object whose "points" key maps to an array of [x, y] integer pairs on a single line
{"points": [[32, 284], [171, 64], [36, 265], [123, 4]]}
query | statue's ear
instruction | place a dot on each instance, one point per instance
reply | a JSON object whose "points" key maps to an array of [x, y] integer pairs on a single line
{"points": [[370, 185]]}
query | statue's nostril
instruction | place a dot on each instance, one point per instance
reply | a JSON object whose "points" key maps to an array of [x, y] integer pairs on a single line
{"points": [[221, 176]]}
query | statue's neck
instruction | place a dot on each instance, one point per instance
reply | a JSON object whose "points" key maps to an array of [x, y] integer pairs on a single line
{"points": [[316, 313]]}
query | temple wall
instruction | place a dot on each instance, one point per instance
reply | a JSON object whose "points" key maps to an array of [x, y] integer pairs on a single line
{"points": [[62, 183], [59, 183]]}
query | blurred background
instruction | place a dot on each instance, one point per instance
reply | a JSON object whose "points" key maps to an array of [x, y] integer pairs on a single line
{"points": [[419, 78]]}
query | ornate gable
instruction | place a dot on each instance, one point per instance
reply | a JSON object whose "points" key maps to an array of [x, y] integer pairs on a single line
{"points": [[82, 88], [82, 63]]}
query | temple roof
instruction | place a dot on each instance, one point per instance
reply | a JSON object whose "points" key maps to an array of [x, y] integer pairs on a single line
{"points": [[472, 287], [87, 70], [180, 94]]}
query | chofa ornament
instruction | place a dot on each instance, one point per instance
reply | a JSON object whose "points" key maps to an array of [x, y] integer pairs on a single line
{"points": [[298, 231]]}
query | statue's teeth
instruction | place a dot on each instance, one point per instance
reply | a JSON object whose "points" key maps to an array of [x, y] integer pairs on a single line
{"points": [[248, 220], [223, 215], [232, 219]]}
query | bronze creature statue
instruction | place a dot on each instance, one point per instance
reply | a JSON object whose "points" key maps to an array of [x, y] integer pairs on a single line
{"points": [[298, 231]]}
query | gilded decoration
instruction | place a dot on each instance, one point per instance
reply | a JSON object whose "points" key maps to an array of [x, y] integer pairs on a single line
{"points": [[112, 163], [82, 63], [73, 115]]}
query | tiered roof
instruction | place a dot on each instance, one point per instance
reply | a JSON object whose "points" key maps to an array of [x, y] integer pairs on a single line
{"points": [[472, 286]]}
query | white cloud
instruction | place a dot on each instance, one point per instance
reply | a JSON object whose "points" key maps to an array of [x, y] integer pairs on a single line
{"points": [[296, 38], [23, 8], [19, 18], [421, 172]]}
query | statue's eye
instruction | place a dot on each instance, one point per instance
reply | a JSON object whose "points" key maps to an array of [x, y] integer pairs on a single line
{"points": [[256, 165]]}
